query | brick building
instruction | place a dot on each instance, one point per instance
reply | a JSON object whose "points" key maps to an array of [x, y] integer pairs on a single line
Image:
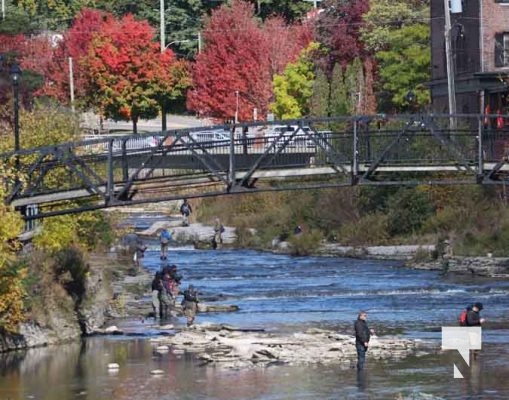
{"points": [[480, 49]]}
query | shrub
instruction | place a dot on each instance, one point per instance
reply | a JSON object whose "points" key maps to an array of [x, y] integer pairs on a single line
{"points": [[370, 229], [305, 243], [407, 211], [71, 271]]}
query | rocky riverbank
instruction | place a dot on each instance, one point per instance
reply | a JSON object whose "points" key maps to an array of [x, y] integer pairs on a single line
{"points": [[200, 235], [229, 347], [60, 325]]}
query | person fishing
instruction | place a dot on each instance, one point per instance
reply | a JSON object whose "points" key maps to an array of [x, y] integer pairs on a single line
{"points": [[157, 287], [164, 239], [185, 210], [190, 304]]}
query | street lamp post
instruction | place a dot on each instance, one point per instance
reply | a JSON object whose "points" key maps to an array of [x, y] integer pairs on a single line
{"points": [[15, 73], [237, 107]]}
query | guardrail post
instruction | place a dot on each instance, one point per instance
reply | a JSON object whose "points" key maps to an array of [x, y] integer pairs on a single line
{"points": [[355, 159]]}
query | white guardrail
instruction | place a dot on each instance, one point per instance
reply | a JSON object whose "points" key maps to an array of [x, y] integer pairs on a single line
{"points": [[212, 137]]}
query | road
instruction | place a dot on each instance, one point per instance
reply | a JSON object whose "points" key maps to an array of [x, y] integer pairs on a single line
{"points": [[91, 122]]}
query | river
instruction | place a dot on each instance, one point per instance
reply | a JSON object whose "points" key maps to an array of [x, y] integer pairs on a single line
{"points": [[279, 292]]}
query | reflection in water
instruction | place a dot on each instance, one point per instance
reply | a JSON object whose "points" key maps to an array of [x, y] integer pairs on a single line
{"points": [[361, 380], [80, 371], [474, 378], [275, 290]]}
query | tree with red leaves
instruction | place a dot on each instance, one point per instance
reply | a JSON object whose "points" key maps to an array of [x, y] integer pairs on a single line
{"points": [[239, 60], [74, 45], [338, 30], [285, 42], [235, 60], [127, 73]]}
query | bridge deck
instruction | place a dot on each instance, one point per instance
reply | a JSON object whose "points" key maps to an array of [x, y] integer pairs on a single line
{"points": [[322, 152]]}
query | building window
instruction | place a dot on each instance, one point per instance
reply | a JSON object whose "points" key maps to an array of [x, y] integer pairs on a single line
{"points": [[502, 49], [460, 49]]}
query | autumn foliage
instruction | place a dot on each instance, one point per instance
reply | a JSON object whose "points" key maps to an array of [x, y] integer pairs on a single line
{"points": [[74, 45], [127, 72], [11, 275], [241, 56], [338, 29]]}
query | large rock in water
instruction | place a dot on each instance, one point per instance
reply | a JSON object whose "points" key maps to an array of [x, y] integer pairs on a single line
{"points": [[193, 234], [205, 308], [230, 347]]}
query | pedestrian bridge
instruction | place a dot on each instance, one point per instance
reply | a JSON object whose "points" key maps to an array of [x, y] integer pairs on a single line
{"points": [[109, 171]]}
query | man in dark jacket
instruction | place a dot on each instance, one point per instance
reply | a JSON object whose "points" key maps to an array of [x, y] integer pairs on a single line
{"points": [[185, 210], [362, 336], [473, 316], [474, 319]]}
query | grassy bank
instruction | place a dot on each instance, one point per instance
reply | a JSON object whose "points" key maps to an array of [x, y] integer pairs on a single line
{"points": [[474, 219]]}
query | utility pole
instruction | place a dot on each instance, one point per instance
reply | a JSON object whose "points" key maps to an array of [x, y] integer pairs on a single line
{"points": [[451, 88], [162, 25], [163, 48], [71, 83]]}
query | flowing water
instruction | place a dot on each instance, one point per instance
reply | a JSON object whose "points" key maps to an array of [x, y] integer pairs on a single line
{"points": [[279, 292]]}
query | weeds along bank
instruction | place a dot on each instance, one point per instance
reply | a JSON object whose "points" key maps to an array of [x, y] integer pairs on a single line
{"points": [[472, 220]]}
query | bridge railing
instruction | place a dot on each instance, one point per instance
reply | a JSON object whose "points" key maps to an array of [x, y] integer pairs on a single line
{"points": [[112, 169]]}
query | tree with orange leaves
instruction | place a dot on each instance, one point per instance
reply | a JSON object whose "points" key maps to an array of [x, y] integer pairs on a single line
{"points": [[127, 73]]}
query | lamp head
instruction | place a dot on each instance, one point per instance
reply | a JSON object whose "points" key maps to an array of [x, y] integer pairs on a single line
{"points": [[15, 73]]}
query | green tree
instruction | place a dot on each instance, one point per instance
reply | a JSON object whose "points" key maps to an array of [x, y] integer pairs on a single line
{"points": [[405, 66], [17, 20], [290, 10], [294, 88], [54, 14], [387, 16], [183, 22], [319, 106], [339, 103], [354, 85]]}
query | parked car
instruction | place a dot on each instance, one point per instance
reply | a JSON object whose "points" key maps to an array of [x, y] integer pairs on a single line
{"points": [[217, 135], [137, 142], [281, 133]]}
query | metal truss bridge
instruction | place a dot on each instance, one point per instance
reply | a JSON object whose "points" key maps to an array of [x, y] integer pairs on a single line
{"points": [[111, 171]]}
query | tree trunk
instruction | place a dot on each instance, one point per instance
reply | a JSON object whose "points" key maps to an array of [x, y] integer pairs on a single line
{"points": [[135, 124], [163, 116]]}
